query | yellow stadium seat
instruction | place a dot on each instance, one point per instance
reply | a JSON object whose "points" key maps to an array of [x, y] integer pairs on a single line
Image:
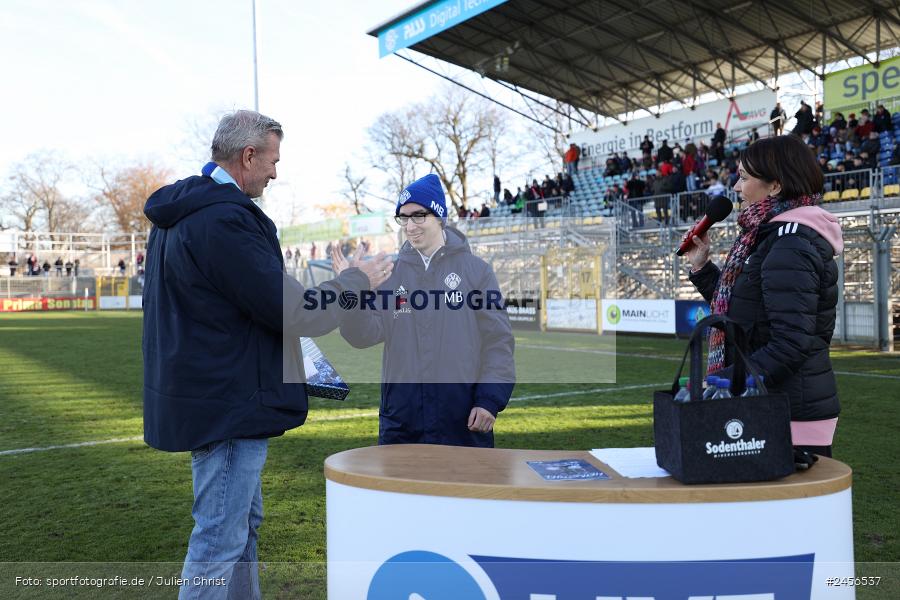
{"points": [[892, 190], [831, 196], [851, 194], [865, 192]]}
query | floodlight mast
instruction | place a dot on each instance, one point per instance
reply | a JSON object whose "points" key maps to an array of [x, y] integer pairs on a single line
{"points": [[255, 68]]}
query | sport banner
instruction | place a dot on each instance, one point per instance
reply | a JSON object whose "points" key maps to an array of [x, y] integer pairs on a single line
{"points": [[59, 303]]}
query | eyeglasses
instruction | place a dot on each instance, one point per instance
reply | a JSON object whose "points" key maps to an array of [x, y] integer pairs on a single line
{"points": [[417, 218]]}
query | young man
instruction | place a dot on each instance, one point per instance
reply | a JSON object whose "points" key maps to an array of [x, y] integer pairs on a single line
{"points": [[448, 347]]}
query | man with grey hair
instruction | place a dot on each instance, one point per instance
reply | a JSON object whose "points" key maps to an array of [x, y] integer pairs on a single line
{"points": [[220, 316]]}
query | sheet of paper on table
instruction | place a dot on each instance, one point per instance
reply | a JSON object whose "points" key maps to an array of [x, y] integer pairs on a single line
{"points": [[631, 462]]}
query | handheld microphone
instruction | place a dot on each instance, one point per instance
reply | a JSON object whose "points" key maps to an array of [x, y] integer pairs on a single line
{"points": [[719, 208]]}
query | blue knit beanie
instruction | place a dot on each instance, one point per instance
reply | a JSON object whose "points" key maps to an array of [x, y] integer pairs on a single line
{"points": [[426, 192]]}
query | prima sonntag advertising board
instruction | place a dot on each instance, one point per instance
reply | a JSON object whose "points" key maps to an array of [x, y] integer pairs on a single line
{"points": [[639, 316], [742, 112]]}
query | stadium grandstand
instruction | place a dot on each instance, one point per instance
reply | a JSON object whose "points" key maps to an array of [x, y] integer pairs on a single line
{"points": [[616, 64]]}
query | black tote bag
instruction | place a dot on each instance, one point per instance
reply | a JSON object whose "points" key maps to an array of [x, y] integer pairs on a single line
{"points": [[726, 440]]}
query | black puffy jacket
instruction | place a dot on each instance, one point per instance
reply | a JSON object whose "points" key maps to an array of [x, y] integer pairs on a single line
{"points": [[785, 299]]}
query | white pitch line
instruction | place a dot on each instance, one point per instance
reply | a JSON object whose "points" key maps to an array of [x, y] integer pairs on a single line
{"points": [[331, 418]]}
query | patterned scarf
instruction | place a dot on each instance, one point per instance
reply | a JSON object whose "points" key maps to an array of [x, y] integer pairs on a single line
{"points": [[750, 220]]}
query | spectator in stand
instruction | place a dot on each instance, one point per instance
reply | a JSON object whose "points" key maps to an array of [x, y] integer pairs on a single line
{"points": [[865, 127], [719, 136], [13, 264], [777, 118], [716, 188], [139, 260], [612, 165], [497, 188], [568, 184], [665, 153], [731, 163], [848, 161], [58, 263], [570, 159], [547, 187], [69, 266], [895, 156], [754, 135], [312, 251], [819, 140], [46, 267], [689, 166], [665, 168], [462, 212], [647, 146], [624, 163], [32, 263], [77, 264], [824, 165], [838, 132], [485, 211], [852, 122], [882, 119], [804, 118], [870, 148], [521, 197], [819, 114], [121, 266], [288, 255], [507, 196], [635, 189]]}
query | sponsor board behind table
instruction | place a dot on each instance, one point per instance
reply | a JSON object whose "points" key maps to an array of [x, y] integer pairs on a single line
{"points": [[579, 314], [368, 224], [638, 316], [744, 112]]}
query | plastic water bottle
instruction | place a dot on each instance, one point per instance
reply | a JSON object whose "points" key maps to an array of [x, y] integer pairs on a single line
{"points": [[684, 390], [722, 390], [710, 390], [751, 389]]}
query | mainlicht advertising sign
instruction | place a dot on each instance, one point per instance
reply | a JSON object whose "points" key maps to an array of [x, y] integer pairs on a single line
{"points": [[862, 86], [639, 316], [743, 112]]}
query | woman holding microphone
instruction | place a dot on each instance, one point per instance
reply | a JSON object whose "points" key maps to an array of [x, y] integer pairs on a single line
{"points": [[779, 283]]}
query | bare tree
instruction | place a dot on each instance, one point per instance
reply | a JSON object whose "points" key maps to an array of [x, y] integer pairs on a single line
{"points": [[451, 133], [121, 193], [34, 195], [550, 145], [390, 136], [354, 190]]}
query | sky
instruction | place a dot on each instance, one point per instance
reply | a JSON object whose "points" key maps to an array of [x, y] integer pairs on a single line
{"points": [[118, 81]]}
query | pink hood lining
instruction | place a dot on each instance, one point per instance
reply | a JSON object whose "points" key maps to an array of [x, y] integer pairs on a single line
{"points": [[819, 219]]}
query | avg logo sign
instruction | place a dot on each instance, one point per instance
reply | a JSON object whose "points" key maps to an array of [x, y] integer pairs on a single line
{"points": [[431, 576], [613, 314]]}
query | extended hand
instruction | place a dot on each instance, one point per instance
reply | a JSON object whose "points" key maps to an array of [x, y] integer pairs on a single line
{"points": [[377, 269], [481, 420]]}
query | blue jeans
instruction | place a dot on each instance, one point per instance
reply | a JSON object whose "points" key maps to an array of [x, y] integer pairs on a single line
{"points": [[221, 559]]}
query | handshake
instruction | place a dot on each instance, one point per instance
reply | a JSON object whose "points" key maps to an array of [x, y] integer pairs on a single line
{"points": [[377, 268]]}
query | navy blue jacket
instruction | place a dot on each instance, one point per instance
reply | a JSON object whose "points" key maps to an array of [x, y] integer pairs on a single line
{"points": [[216, 303], [438, 363]]}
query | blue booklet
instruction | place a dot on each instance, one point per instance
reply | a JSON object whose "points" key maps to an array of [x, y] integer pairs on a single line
{"points": [[566, 470], [322, 380]]}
